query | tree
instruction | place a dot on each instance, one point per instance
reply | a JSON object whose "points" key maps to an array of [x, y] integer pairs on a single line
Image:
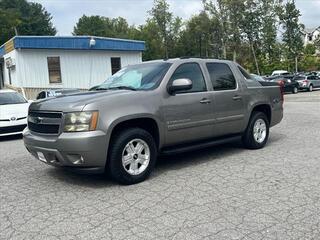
{"points": [[289, 18], [201, 37], [90, 25], [167, 25], [251, 25], [24, 18]]}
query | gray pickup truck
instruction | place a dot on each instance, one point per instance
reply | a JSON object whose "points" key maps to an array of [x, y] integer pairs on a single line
{"points": [[157, 107]]}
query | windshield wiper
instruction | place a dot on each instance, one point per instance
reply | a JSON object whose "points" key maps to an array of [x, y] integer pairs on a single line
{"points": [[118, 88]]}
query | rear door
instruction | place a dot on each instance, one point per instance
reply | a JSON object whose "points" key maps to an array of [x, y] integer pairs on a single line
{"points": [[228, 99], [188, 115], [317, 81]]}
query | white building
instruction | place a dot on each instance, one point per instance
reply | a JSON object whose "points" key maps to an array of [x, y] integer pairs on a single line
{"points": [[35, 63], [310, 35]]}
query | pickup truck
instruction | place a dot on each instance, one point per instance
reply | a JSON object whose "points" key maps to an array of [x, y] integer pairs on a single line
{"points": [[156, 107]]}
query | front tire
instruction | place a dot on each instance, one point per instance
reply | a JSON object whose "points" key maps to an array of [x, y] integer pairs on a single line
{"points": [[310, 89], [257, 132], [132, 156]]}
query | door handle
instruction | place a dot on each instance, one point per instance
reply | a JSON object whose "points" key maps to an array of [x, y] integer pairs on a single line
{"points": [[237, 97], [205, 101]]}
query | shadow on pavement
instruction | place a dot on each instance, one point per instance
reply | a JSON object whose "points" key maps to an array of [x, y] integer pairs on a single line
{"points": [[164, 163]]}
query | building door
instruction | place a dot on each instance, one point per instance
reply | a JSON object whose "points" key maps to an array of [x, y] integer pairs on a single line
{"points": [[1, 73]]}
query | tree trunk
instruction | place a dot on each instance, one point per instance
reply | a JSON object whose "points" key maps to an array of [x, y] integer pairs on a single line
{"points": [[255, 58]]}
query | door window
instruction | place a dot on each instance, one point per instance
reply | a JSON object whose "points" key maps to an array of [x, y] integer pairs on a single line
{"points": [[193, 72], [221, 76]]}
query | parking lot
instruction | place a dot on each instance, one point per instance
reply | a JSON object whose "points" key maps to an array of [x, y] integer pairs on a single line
{"points": [[221, 193]]}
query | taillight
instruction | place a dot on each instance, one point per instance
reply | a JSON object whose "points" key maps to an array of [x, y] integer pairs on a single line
{"points": [[281, 84]]}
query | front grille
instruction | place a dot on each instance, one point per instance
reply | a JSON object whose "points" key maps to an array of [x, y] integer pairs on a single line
{"points": [[12, 129], [44, 122]]}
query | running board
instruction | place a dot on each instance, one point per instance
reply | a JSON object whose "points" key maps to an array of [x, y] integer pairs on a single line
{"points": [[198, 145]]}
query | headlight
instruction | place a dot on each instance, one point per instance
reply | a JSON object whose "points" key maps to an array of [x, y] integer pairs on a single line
{"points": [[80, 121]]}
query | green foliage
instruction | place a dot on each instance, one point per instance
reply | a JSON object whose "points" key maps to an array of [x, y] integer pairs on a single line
{"points": [[27, 18], [103, 27], [289, 18]]}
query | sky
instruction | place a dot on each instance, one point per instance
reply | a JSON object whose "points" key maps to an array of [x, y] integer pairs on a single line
{"points": [[66, 13]]}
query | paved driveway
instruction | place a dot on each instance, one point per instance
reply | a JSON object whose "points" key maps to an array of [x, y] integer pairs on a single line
{"points": [[220, 193]]}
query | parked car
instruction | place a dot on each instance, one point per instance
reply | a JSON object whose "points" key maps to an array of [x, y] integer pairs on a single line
{"points": [[55, 93], [157, 107], [13, 112], [288, 82], [280, 73], [308, 82]]}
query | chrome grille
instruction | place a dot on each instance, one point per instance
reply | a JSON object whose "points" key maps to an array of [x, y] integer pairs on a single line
{"points": [[45, 122]]}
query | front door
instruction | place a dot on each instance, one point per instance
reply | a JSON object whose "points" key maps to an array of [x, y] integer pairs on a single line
{"points": [[227, 99], [188, 115]]}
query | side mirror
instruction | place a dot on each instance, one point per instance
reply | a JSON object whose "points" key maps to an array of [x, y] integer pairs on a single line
{"points": [[181, 84]]}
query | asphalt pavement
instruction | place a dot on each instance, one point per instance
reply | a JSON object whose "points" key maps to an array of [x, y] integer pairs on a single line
{"points": [[225, 192]]}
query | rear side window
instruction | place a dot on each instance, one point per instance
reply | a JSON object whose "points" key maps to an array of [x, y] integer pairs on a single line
{"points": [[221, 76], [193, 72]]}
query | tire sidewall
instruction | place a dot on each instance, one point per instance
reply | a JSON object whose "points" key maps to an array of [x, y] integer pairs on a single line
{"points": [[115, 167]]}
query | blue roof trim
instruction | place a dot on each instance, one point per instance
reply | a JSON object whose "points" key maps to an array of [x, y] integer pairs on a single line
{"points": [[2, 52], [77, 43]]}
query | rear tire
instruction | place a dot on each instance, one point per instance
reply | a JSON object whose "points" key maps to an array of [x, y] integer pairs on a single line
{"points": [[257, 132], [295, 90], [132, 156]]}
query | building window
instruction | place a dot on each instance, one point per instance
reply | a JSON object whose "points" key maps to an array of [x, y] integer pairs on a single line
{"points": [[115, 64], [54, 69]]}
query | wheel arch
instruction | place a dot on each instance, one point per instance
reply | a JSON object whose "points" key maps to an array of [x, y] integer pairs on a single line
{"points": [[264, 108], [146, 122]]}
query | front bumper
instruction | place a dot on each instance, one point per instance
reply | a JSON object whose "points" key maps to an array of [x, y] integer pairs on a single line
{"points": [[82, 152], [8, 128]]}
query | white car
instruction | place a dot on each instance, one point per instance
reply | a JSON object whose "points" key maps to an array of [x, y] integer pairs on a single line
{"points": [[280, 73], [13, 112]]}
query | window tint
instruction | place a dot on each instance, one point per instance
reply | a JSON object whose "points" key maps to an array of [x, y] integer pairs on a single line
{"points": [[221, 76], [54, 69], [115, 64], [311, 77], [193, 72]]}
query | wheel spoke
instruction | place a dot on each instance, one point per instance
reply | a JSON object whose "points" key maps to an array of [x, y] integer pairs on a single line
{"points": [[130, 148], [139, 148], [127, 160], [143, 158]]}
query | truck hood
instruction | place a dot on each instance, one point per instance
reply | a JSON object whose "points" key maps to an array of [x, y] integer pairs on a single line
{"points": [[74, 102]]}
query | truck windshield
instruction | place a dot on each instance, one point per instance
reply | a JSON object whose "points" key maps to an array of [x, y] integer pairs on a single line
{"points": [[137, 77], [11, 98]]}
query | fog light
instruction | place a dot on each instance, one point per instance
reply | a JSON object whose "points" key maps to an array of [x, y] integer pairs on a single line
{"points": [[76, 159]]}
